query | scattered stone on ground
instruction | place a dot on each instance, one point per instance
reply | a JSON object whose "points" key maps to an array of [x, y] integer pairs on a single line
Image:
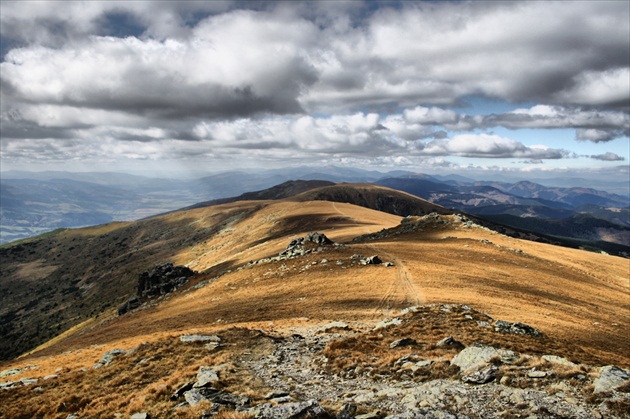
{"points": [[200, 338], [108, 357]]}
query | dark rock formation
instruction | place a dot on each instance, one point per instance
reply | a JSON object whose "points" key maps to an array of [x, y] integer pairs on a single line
{"points": [[130, 304], [515, 328], [162, 279]]}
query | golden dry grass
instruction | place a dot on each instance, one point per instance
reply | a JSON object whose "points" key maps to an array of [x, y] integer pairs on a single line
{"points": [[579, 300]]}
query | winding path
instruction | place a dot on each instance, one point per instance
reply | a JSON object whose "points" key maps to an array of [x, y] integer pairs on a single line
{"points": [[402, 288]]}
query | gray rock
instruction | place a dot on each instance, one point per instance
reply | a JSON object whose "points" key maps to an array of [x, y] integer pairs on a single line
{"points": [[372, 260], [28, 381], [13, 371], [474, 356], [108, 357], [308, 409], [537, 374], [515, 328], [200, 338], [480, 376], [7, 384], [609, 378], [205, 376], [318, 238], [371, 415], [402, 342], [51, 376], [140, 416], [387, 323], [194, 396]]}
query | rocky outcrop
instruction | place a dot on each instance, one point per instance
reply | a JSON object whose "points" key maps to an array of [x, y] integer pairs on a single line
{"points": [[516, 328], [162, 279], [108, 357], [130, 304], [300, 246]]}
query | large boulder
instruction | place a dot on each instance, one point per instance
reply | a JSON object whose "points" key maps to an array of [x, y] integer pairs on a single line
{"points": [[478, 356]]}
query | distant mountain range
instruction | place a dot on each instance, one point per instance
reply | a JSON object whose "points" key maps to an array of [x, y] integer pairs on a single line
{"points": [[34, 203], [583, 214]]}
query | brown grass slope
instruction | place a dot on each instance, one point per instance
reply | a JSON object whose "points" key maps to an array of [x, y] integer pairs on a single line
{"points": [[573, 295], [51, 283], [579, 300]]}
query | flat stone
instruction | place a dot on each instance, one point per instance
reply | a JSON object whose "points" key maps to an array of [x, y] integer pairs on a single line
{"points": [[28, 381], [140, 416], [13, 371], [536, 374], [108, 357], [387, 323], [199, 338]]}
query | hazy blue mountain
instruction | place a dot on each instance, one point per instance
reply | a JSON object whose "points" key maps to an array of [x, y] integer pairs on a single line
{"points": [[35, 202], [584, 214]]}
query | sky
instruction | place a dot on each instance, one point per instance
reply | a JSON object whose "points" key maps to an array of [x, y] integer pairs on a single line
{"points": [[431, 86]]}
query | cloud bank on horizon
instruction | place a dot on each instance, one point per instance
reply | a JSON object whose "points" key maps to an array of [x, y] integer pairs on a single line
{"points": [[505, 85]]}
